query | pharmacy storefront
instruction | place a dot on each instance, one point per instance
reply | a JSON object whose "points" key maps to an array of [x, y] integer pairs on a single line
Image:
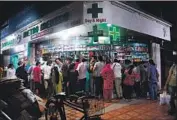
{"points": [[14, 50], [83, 29]]}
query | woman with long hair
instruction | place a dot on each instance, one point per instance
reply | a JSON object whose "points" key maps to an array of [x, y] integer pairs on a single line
{"points": [[128, 82], [73, 78]]}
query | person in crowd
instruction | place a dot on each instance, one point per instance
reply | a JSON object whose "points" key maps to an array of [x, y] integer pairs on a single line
{"points": [[22, 73], [82, 70], [11, 72], [37, 74], [77, 62], [116, 66], [58, 64], [144, 80], [126, 65], [47, 77], [92, 63], [64, 71], [98, 80], [59, 87], [137, 85], [57, 80], [73, 78], [30, 74], [1, 72], [153, 79], [108, 79], [128, 83], [171, 86]]}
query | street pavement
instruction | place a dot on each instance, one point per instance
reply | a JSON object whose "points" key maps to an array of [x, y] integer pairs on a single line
{"points": [[137, 110], [140, 109]]}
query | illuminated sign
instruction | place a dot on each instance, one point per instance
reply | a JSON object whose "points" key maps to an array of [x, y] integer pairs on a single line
{"points": [[104, 32], [41, 34], [50, 23], [30, 32], [95, 33], [8, 43], [114, 33]]}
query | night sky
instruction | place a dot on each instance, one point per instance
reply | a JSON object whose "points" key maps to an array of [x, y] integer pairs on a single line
{"points": [[165, 10], [10, 8]]}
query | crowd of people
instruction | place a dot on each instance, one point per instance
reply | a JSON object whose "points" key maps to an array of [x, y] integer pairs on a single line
{"points": [[97, 76]]}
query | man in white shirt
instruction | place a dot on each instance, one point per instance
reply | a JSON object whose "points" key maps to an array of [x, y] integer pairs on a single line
{"points": [[11, 72], [116, 66], [98, 80], [47, 77], [82, 70]]}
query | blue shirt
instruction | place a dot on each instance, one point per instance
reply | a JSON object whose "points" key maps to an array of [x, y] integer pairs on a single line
{"points": [[152, 73]]}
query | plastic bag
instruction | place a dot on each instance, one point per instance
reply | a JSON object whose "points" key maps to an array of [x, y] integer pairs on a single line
{"points": [[164, 98], [167, 99]]}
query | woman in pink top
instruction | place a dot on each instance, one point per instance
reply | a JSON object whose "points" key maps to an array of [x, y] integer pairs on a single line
{"points": [[129, 82], [108, 76], [37, 78]]}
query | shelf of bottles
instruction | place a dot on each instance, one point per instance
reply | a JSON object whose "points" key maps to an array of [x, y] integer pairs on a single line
{"points": [[136, 52]]}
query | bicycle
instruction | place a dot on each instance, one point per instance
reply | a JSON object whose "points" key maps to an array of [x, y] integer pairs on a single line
{"points": [[56, 106]]}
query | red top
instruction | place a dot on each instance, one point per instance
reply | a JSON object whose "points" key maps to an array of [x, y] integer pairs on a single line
{"points": [[37, 74], [76, 65]]}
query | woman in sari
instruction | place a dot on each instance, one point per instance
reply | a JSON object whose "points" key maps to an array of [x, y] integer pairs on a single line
{"points": [[108, 76]]}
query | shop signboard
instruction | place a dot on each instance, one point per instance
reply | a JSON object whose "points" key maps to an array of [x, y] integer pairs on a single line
{"points": [[7, 44], [111, 31], [27, 16], [55, 22], [94, 13], [138, 51], [31, 31], [11, 41], [43, 28], [104, 33], [42, 33]]}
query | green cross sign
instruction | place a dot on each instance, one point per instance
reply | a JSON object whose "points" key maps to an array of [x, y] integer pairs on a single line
{"points": [[114, 33], [95, 33]]}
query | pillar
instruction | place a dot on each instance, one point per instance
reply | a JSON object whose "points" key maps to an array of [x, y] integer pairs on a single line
{"points": [[31, 53], [156, 56]]}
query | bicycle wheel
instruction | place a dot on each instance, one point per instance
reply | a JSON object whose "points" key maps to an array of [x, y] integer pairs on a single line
{"points": [[55, 111], [52, 113]]}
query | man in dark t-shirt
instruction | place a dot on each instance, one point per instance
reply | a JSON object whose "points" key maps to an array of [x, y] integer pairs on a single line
{"points": [[22, 73]]}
